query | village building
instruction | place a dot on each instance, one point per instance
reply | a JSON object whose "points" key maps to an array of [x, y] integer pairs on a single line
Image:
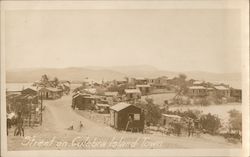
{"points": [[197, 91], [160, 82], [198, 83], [112, 97], [121, 81], [111, 94], [124, 116], [145, 89], [236, 93], [29, 91], [90, 90], [210, 91], [26, 104], [167, 119], [132, 94], [84, 101], [139, 81], [102, 107], [222, 91], [50, 93]]}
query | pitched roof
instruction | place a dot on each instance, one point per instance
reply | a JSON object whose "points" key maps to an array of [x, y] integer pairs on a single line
{"points": [[132, 91], [220, 88], [120, 106]]}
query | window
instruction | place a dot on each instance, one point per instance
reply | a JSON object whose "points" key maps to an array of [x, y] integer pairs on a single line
{"points": [[136, 116]]}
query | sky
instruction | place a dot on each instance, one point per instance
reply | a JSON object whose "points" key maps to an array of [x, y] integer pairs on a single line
{"points": [[174, 40]]}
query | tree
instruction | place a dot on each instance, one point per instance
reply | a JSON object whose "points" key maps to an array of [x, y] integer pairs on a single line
{"points": [[44, 81], [152, 111], [210, 123], [55, 82]]}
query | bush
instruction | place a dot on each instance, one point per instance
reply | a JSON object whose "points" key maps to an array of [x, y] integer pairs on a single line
{"points": [[152, 111], [210, 123]]}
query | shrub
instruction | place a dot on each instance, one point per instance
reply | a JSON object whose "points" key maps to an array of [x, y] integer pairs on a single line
{"points": [[210, 123], [152, 111]]}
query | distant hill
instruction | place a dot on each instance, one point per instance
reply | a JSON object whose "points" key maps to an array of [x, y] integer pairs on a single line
{"points": [[77, 74]]}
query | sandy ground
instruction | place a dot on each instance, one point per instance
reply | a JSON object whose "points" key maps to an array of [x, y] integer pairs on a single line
{"points": [[58, 116]]}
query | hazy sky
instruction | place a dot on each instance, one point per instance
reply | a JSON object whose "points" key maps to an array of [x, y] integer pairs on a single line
{"points": [[175, 40]]}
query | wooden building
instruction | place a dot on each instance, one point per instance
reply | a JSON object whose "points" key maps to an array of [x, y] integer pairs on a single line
{"points": [[102, 107], [84, 101], [29, 91], [132, 94], [139, 80], [145, 89], [236, 93], [111, 94], [124, 116], [222, 91], [50, 93], [197, 91]]}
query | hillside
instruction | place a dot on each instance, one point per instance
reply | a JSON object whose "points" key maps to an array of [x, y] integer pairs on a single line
{"points": [[77, 74]]}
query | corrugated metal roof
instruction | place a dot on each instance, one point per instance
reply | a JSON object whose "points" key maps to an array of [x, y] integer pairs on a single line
{"points": [[171, 116], [120, 106]]}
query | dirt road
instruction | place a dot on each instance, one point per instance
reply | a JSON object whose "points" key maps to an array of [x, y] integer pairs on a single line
{"points": [[58, 116]]}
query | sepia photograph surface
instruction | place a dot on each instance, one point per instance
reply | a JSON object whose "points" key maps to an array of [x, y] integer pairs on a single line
{"points": [[123, 78]]}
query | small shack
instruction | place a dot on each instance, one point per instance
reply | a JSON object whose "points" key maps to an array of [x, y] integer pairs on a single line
{"points": [[84, 101], [167, 119], [124, 116]]}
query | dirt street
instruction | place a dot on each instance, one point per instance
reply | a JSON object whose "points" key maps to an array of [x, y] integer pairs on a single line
{"points": [[58, 116]]}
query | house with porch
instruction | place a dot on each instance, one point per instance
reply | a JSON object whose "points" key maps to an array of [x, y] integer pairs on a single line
{"points": [[222, 91], [197, 91]]}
